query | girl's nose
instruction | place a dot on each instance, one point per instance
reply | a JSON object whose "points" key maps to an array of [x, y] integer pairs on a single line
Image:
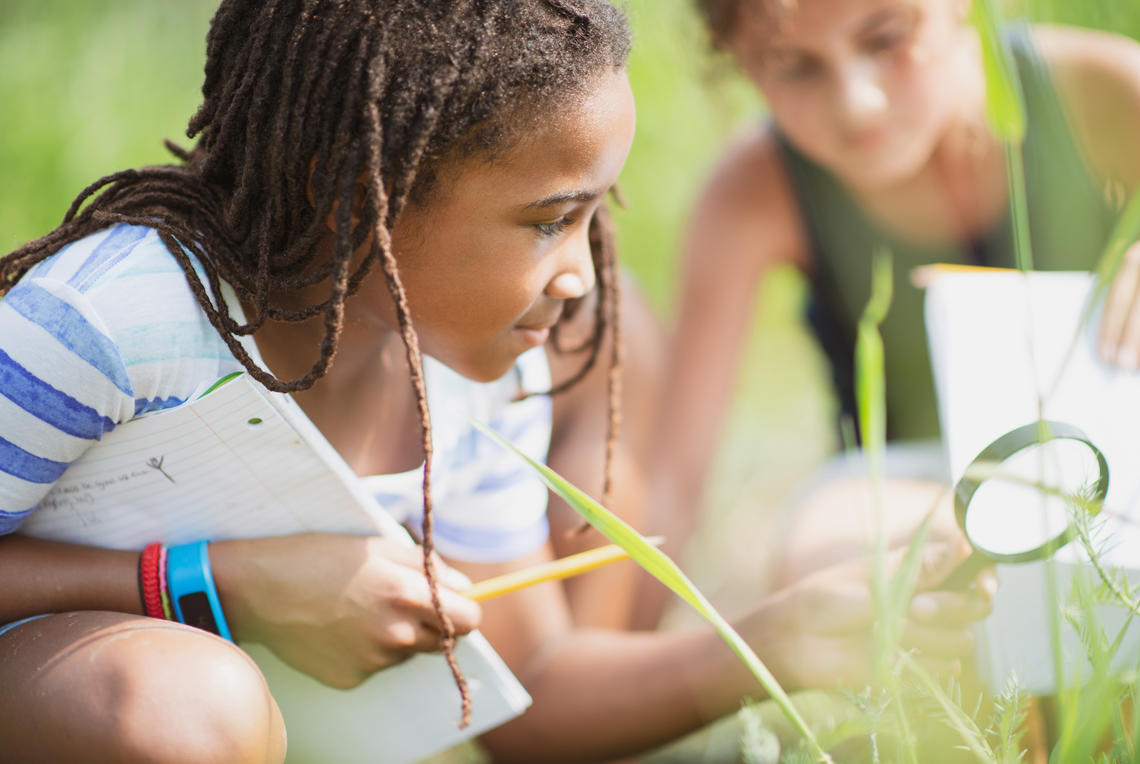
{"points": [[860, 97], [575, 277]]}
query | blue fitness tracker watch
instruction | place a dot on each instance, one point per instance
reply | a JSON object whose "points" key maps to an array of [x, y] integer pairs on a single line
{"points": [[192, 590]]}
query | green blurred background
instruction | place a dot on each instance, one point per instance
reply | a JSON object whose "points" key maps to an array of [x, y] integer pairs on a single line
{"points": [[92, 86]]}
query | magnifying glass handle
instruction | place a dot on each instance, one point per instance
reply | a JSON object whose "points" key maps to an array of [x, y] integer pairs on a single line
{"points": [[967, 570]]}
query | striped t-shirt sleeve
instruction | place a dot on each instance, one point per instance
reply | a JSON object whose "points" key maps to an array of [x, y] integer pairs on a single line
{"points": [[63, 385]]}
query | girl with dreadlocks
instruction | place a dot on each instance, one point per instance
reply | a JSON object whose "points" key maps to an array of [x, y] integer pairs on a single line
{"points": [[463, 150], [877, 139]]}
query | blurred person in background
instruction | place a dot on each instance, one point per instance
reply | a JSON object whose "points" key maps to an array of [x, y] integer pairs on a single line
{"points": [[877, 139]]}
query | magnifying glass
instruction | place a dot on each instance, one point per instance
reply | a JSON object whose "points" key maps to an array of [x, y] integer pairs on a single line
{"points": [[1000, 503]]}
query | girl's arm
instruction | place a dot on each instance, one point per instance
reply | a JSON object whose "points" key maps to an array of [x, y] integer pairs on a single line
{"points": [[745, 222], [50, 577], [600, 694], [1097, 76], [337, 607]]}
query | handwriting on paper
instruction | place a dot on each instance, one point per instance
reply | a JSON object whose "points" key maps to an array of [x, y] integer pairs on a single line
{"points": [[77, 495]]}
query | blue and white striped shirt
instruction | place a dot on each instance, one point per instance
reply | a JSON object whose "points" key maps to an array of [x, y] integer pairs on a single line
{"points": [[108, 329]]}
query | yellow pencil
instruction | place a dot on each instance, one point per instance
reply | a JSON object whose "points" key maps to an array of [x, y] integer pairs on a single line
{"points": [[550, 571]]}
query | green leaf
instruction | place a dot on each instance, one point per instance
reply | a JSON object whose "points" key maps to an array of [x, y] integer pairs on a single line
{"points": [[1124, 234], [870, 377], [955, 716], [1005, 103], [658, 564]]}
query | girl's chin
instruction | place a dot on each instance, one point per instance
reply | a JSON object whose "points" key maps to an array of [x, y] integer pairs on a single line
{"points": [[498, 359], [881, 170], [486, 370]]}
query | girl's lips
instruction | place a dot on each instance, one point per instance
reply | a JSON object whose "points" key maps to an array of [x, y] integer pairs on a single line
{"points": [[532, 337], [544, 323], [865, 140]]}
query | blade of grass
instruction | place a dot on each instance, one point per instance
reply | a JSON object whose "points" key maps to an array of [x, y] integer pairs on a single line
{"points": [[1125, 233], [1005, 103], [870, 399], [1005, 110], [870, 382], [666, 571], [871, 402], [966, 727]]}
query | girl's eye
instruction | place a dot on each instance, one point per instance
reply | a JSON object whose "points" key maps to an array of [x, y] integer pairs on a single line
{"points": [[554, 227], [891, 34], [792, 67], [881, 43]]}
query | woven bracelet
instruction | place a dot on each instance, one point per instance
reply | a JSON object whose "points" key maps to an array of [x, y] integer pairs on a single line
{"points": [[149, 580]]}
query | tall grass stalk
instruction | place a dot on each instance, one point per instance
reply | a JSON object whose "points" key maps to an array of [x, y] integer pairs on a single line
{"points": [[661, 567], [1005, 108], [961, 722], [870, 402], [1124, 234], [891, 594], [1084, 717]]}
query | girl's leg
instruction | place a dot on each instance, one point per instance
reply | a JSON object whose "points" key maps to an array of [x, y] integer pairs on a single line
{"points": [[111, 687]]}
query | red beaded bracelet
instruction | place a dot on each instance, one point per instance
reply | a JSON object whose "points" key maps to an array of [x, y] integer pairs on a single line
{"points": [[149, 579]]}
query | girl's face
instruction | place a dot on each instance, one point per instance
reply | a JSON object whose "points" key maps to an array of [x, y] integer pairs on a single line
{"points": [[491, 257], [865, 88]]}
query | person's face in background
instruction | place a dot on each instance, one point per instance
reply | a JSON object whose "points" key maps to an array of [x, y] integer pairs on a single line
{"points": [[866, 88]]}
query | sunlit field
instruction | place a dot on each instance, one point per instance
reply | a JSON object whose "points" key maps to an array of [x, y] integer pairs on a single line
{"points": [[88, 87]]}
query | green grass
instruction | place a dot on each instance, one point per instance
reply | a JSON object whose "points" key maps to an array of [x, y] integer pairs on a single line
{"points": [[88, 87]]}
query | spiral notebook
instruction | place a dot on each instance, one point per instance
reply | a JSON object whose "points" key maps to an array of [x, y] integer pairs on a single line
{"points": [[998, 341], [242, 462]]}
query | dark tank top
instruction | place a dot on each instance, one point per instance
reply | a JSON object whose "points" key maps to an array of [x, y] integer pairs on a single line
{"points": [[1069, 225]]}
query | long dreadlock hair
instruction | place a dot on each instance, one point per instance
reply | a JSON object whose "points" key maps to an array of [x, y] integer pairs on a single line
{"points": [[349, 108]]}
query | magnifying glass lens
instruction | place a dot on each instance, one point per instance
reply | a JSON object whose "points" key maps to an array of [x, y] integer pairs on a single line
{"points": [[1014, 502], [1013, 516]]}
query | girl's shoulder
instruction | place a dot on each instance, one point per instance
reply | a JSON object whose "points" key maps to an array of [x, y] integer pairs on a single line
{"points": [[1097, 77], [747, 210], [127, 276], [104, 257], [129, 291]]}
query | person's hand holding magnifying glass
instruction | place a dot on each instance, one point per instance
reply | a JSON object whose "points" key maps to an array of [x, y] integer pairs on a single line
{"points": [[1014, 502]]}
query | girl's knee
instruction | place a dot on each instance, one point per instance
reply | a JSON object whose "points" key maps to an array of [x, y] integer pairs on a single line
{"points": [[134, 689], [203, 701]]}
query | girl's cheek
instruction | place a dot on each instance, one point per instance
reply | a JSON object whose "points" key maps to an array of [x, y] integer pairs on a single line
{"points": [[791, 105], [803, 116]]}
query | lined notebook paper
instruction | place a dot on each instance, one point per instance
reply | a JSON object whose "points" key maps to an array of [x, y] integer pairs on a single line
{"points": [[242, 462], [996, 341]]}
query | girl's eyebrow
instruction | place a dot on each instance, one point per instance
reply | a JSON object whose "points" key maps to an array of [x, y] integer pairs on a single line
{"points": [[882, 16], [580, 195]]}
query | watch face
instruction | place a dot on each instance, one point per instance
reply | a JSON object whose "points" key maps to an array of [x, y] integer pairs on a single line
{"points": [[196, 611]]}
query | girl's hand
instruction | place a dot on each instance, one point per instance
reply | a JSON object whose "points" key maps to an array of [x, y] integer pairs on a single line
{"points": [[817, 633], [1120, 324], [338, 608]]}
